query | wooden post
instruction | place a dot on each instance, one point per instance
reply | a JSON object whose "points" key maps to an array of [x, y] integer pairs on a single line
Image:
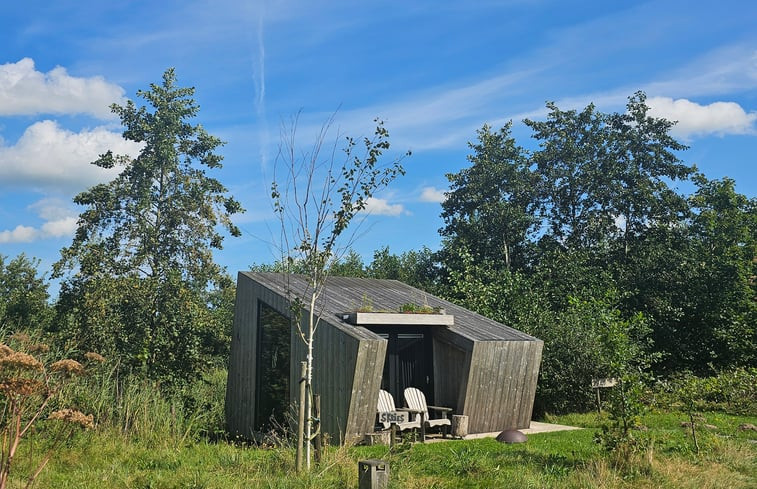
{"points": [[459, 425], [319, 437], [599, 402], [301, 419], [373, 474]]}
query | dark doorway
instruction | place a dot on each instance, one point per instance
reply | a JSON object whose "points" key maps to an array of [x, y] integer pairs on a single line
{"points": [[408, 361], [272, 382]]}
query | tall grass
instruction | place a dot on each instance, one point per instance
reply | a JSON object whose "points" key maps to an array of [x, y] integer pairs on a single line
{"points": [[117, 458], [139, 408], [151, 436]]}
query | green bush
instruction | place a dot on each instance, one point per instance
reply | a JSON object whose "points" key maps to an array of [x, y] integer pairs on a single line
{"points": [[731, 391]]}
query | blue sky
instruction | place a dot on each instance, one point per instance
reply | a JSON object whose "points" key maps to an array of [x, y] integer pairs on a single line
{"points": [[434, 71]]}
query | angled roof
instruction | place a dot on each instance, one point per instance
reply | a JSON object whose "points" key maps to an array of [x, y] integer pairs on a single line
{"points": [[346, 294]]}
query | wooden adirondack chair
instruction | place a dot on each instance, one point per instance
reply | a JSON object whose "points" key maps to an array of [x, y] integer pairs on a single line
{"points": [[416, 402], [386, 404]]}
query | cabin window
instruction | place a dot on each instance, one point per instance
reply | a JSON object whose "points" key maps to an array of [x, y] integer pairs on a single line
{"points": [[272, 383]]}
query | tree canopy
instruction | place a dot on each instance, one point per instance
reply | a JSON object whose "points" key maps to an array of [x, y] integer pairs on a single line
{"points": [[23, 295], [590, 216], [161, 213], [140, 265]]}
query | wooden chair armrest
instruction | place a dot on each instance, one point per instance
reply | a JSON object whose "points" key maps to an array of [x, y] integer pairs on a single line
{"points": [[442, 410], [438, 408], [414, 411]]}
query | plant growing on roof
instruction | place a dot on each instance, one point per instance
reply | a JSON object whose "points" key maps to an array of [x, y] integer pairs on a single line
{"points": [[413, 308], [316, 196]]}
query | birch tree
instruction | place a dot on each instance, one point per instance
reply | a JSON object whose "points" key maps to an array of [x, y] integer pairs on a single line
{"points": [[317, 193]]}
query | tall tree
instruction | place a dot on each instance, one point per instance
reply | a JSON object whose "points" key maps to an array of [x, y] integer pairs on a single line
{"points": [[642, 160], [724, 267], [152, 228], [491, 206], [162, 211], [316, 196], [573, 179]]}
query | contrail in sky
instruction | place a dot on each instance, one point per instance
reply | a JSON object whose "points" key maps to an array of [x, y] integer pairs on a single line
{"points": [[259, 80]]}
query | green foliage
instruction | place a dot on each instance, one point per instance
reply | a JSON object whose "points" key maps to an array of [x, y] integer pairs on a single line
{"points": [[160, 214], [140, 263], [624, 434], [731, 391], [589, 340], [350, 265], [23, 295], [539, 240], [141, 409], [163, 329], [416, 268], [491, 207]]}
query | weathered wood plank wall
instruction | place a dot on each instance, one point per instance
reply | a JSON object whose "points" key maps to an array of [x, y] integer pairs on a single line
{"points": [[491, 381], [501, 385], [451, 366], [347, 370]]}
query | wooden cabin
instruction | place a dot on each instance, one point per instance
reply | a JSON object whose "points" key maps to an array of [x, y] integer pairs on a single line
{"points": [[459, 359]]}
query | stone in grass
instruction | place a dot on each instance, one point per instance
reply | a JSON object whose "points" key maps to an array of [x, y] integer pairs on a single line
{"points": [[511, 436], [747, 427]]}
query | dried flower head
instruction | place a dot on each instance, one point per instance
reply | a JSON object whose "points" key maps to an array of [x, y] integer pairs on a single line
{"points": [[21, 337], [94, 357], [20, 361], [38, 348], [74, 417], [67, 367], [21, 387], [5, 350]]}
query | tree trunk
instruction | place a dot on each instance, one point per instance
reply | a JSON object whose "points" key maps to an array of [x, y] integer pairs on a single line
{"points": [[309, 382], [301, 417]]}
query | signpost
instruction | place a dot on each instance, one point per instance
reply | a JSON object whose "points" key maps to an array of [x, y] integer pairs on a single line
{"points": [[393, 417], [597, 384]]}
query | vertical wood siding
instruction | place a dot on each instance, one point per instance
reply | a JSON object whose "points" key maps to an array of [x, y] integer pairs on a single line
{"points": [[451, 366], [347, 370], [502, 381], [491, 381]]}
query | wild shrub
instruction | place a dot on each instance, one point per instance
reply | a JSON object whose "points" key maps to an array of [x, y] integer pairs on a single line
{"points": [[730, 391]]}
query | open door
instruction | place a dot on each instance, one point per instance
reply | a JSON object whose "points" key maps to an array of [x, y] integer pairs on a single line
{"points": [[409, 361]]}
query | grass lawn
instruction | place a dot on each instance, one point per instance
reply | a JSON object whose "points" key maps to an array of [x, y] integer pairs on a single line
{"points": [[569, 459]]}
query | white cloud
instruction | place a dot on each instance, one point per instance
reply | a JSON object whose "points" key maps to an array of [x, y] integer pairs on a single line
{"points": [[59, 228], [383, 208], [431, 194], [21, 234], [695, 119], [26, 91], [60, 221], [51, 209], [48, 156]]}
